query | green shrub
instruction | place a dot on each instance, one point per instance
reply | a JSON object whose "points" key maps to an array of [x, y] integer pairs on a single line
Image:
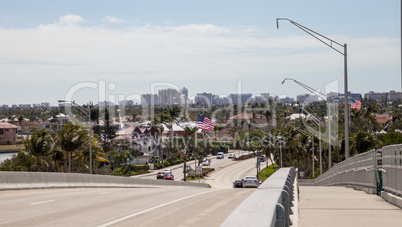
{"points": [[267, 172], [104, 170]]}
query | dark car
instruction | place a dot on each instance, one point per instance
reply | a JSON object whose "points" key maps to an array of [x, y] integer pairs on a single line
{"points": [[262, 158], [238, 184], [160, 175], [169, 176]]}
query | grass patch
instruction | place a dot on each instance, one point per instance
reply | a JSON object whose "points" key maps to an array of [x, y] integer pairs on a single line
{"points": [[193, 178], [266, 172]]}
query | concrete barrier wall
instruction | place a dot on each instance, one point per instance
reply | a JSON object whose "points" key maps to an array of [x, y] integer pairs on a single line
{"points": [[269, 205], [35, 180]]}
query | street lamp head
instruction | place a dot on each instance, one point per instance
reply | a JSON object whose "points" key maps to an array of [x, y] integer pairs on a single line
{"points": [[286, 80], [278, 19], [60, 100]]}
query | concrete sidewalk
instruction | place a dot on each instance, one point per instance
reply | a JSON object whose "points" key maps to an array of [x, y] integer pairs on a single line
{"points": [[339, 206]]}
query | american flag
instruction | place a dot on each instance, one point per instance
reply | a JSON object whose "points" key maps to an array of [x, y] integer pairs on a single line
{"points": [[355, 104], [204, 123]]}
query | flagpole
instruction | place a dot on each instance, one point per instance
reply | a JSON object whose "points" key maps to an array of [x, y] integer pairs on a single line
{"points": [[203, 131], [195, 145]]}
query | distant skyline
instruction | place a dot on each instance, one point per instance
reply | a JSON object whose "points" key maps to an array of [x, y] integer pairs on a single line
{"points": [[190, 98], [48, 47]]}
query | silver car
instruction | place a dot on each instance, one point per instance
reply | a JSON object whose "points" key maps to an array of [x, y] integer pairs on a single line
{"points": [[250, 182]]}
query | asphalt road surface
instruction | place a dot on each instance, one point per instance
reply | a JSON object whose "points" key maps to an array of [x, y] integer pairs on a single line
{"points": [[163, 206], [217, 164]]}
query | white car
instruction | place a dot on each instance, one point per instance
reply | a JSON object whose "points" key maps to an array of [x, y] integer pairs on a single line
{"points": [[251, 182], [205, 163], [166, 171], [231, 156]]}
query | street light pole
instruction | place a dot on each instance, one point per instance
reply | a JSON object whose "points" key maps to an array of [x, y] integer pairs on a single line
{"points": [[329, 42], [90, 140], [312, 140], [320, 95], [319, 136], [280, 149]]}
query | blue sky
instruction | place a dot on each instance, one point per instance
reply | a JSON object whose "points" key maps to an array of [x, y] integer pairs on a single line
{"points": [[51, 47]]}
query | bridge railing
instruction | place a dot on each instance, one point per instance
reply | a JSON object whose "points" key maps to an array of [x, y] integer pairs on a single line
{"points": [[376, 172], [357, 171], [269, 205], [392, 166]]}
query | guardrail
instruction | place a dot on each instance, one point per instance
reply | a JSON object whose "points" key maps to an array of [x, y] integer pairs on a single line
{"points": [[392, 165], [376, 172], [357, 171], [269, 205], [392, 174], [37, 180]]}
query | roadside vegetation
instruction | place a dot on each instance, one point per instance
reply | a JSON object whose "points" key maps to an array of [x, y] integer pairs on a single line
{"points": [[267, 172], [68, 149]]}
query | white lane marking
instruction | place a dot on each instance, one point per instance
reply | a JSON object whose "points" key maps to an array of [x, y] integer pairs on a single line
{"points": [[47, 201], [104, 193], [152, 208]]}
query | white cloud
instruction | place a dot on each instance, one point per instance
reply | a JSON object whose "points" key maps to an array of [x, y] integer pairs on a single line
{"points": [[113, 20], [143, 54], [200, 28], [70, 19]]}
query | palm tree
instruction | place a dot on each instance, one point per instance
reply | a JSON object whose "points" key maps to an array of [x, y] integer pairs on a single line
{"points": [[20, 120], [217, 128], [72, 138], [268, 116], [362, 142], [56, 154], [188, 131], [170, 117], [355, 117], [156, 132], [39, 146], [268, 149]]}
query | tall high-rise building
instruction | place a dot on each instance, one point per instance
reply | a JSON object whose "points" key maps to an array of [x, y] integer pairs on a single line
{"points": [[241, 98], [203, 98], [307, 98], [390, 96], [394, 95], [45, 104], [168, 96], [150, 99], [184, 93]]}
